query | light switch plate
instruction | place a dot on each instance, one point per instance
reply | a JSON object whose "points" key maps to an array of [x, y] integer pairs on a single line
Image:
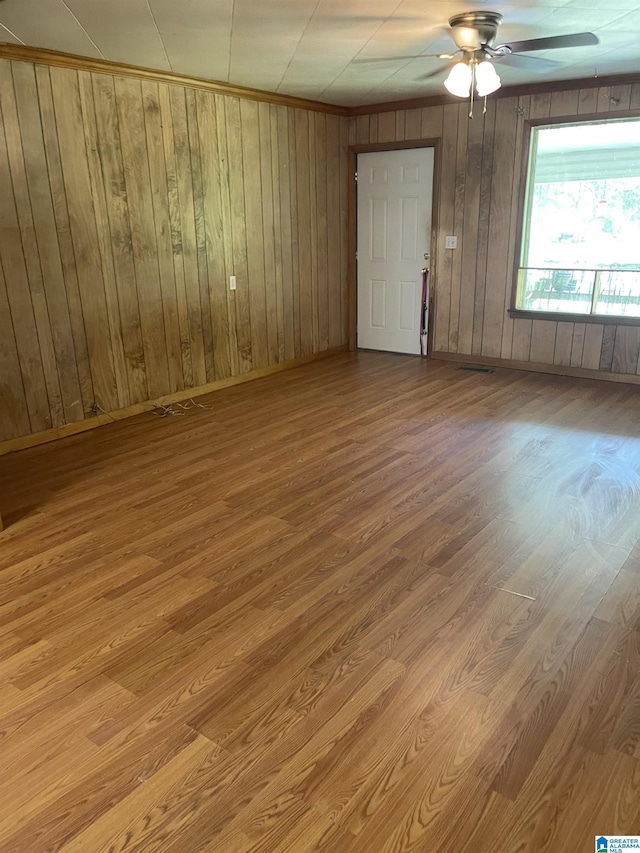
{"points": [[451, 242]]}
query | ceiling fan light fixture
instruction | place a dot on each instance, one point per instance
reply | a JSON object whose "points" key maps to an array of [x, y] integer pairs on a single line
{"points": [[459, 80], [487, 80]]}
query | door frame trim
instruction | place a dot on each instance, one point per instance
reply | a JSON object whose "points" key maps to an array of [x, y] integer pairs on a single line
{"points": [[352, 227]]}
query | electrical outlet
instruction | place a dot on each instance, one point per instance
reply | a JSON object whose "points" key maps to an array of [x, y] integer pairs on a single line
{"points": [[451, 242], [232, 282]]}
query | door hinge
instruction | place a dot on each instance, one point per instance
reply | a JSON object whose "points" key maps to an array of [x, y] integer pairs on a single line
{"points": [[356, 256], [355, 177]]}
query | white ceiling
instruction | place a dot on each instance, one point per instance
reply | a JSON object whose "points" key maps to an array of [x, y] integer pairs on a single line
{"points": [[308, 47]]}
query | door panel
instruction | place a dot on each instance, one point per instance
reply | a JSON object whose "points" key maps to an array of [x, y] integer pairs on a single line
{"points": [[394, 231]]}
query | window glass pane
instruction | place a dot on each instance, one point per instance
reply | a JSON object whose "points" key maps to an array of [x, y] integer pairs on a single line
{"points": [[582, 213], [619, 293], [566, 291], [585, 205]]}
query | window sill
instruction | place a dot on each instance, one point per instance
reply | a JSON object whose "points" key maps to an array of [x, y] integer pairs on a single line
{"points": [[601, 319]]}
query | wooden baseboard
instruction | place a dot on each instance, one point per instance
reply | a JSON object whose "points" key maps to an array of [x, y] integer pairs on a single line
{"points": [[536, 367], [24, 441]]}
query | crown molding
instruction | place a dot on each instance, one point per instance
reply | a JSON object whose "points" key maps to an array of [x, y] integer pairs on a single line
{"points": [[24, 53], [503, 92], [42, 56]]}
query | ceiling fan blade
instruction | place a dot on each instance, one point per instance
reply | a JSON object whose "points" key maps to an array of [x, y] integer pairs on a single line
{"points": [[529, 63], [551, 42], [435, 73], [392, 58]]}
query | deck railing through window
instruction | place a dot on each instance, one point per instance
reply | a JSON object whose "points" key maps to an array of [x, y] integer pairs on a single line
{"points": [[580, 291]]}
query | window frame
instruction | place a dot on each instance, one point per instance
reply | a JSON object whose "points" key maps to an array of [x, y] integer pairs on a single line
{"points": [[521, 313]]}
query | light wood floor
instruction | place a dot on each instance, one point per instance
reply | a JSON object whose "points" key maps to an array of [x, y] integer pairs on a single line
{"points": [[372, 604]]}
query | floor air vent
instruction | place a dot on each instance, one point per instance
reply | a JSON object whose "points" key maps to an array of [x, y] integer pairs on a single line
{"points": [[477, 369]]}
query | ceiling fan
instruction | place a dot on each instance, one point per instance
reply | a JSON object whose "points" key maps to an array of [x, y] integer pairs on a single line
{"points": [[474, 34]]}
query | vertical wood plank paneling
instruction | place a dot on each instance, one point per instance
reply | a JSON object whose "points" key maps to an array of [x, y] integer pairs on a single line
{"points": [[587, 101], [133, 138], [173, 210], [295, 238], [446, 220], [253, 217], [564, 343], [468, 249], [285, 239], [432, 123], [564, 103], [459, 215], [346, 181], [592, 346], [528, 338], [273, 287], [188, 243], [14, 415], [212, 209], [603, 104], [133, 201], [313, 212], [362, 129], [540, 105], [400, 125], [521, 344], [51, 287], [19, 152], [577, 344], [227, 231], [104, 237], [626, 350], [84, 234], [304, 231], [321, 229], [162, 232], [67, 258], [387, 127], [608, 346], [483, 226], [543, 340], [352, 130], [335, 229], [510, 328], [498, 275], [620, 98], [238, 230], [374, 122], [276, 241], [412, 123], [200, 231]]}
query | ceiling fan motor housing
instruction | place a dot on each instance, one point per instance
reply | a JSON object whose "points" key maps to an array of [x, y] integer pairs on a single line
{"points": [[473, 30]]}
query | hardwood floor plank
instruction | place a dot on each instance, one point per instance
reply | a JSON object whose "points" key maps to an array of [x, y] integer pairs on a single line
{"points": [[399, 608]]}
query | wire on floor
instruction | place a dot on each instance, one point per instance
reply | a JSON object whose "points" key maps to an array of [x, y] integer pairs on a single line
{"points": [[171, 409]]}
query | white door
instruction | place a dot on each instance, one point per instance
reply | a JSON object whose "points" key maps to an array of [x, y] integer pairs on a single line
{"points": [[394, 231]]}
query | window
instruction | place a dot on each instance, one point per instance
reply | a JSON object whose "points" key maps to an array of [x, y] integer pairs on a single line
{"points": [[580, 251]]}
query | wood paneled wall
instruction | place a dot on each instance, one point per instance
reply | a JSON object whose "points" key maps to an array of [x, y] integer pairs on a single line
{"points": [[478, 201], [125, 205]]}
